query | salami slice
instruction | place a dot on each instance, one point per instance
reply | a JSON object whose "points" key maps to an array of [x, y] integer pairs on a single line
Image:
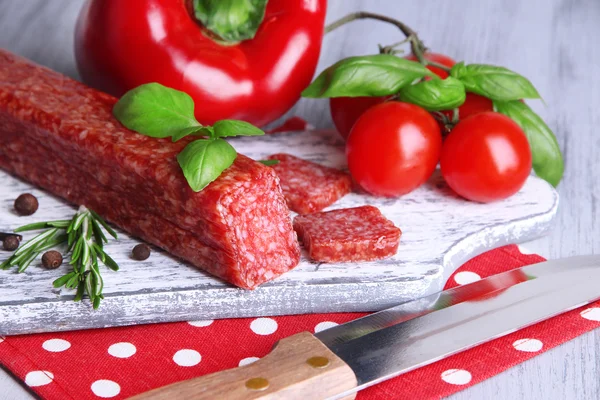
{"points": [[309, 187], [60, 135], [349, 234]]}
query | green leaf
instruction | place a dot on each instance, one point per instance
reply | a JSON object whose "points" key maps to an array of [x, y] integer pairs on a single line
{"points": [[202, 161], [6, 264], [547, 159], [231, 20], [98, 234], [41, 225], [98, 218], [435, 94], [374, 75], [269, 163], [25, 263], [200, 130], [109, 262], [36, 240], [232, 127], [80, 290], [496, 83], [96, 302], [63, 280], [156, 110]]}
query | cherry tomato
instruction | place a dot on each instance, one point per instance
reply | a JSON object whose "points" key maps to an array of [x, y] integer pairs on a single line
{"points": [[486, 157], [393, 148], [346, 110], [474, 104], [438, 58]]}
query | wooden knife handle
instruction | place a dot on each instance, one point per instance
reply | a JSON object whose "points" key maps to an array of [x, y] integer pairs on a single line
{"points": [[298, 367]]}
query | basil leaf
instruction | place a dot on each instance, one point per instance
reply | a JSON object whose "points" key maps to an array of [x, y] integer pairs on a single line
{"points": [[156, 110], [269, 163], [231, 20], [374, 75], [232, 127], [189, 131], [435, 94], [496, 83], [547, 159], [199, 130], [202, 161]]}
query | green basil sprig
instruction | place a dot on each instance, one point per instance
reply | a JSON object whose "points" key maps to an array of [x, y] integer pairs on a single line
{"points": [[374, 75], [496, 83], [231, 20], [547, 159], [158, 111], [435, 94]]}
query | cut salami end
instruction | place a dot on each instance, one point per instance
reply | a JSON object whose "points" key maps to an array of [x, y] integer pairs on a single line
{"points": [[309, 187], [349, 234], [61, 135]]}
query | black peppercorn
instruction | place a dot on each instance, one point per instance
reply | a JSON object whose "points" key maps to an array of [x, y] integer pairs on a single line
{"points": [[141, 252], [10, 243], [26, 204], [52, 259]]}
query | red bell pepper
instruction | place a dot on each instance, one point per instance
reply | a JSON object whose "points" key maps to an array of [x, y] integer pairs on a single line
{"points": [[122, 44]]}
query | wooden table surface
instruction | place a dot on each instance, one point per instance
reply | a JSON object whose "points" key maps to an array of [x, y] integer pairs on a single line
{"points": [[553, 42]]}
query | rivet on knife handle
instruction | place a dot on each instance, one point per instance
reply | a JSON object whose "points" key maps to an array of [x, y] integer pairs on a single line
{"points": [[299, 367]]}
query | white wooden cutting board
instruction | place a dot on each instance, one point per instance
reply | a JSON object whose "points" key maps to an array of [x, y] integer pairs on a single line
{"points": [[440, 232]]}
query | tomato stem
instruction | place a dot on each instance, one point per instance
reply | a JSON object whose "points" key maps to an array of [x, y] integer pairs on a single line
{"points": [[438, 65], [455, 116], [417, 46]]}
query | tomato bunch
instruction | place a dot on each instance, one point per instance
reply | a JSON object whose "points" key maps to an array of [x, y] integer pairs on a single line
{"points": [[468, 118]]}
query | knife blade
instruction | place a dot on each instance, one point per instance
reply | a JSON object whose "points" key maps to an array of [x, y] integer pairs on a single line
{"points": [[338, 362]]}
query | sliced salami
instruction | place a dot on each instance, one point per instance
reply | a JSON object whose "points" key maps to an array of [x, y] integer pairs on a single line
{"points": [[309, 187], [349, 234], [61, 135]]}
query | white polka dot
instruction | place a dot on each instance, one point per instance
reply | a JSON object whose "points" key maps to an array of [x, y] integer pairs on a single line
{"points": [[456, 376], [524, 250], [529, 345], [593, 314], [248, 360], [187, 358], [201, 324], [38, 378], [321, 326], [56, 345], [1, 339], [263, 326], [464, 277], [122, 350], [105, 388]]}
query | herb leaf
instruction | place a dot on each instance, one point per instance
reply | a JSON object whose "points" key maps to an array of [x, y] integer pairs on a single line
{"points": [[231, 20], [374, 75], [232, 127], [496, 83], [547, 159], [435, 94], [202, 161], [157, 111], [85, 237], [189, 131]]}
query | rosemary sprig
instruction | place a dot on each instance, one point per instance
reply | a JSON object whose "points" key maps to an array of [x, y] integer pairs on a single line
{"points": [[85, 241]]}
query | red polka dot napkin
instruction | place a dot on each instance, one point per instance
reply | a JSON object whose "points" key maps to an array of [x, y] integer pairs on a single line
{"points": [[120, 362]]}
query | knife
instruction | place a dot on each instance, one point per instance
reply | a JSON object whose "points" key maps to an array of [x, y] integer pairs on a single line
{"points": [[338, 362]]}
